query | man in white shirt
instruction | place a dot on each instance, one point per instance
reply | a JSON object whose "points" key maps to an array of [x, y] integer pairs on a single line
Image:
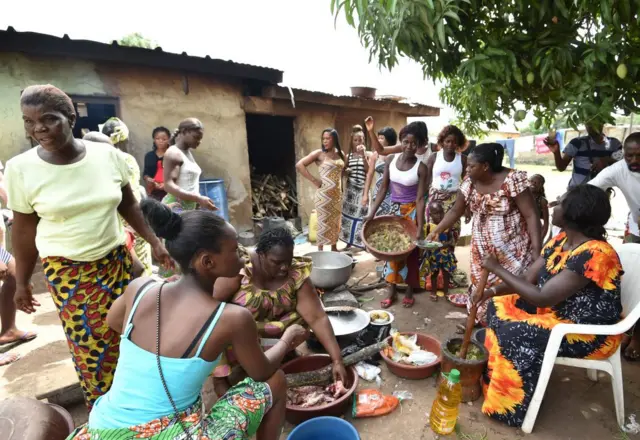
{"points": [[625, 175]]}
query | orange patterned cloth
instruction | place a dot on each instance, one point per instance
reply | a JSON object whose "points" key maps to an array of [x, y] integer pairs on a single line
{"points": [[518, 332], [499, 228], [329, 202]]}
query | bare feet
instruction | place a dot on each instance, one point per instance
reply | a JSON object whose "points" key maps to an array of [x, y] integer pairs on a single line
{"points": [[632, 351], [8, 358]]}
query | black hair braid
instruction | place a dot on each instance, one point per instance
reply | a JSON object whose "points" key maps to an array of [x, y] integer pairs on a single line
{"points": [[164, 222], [274, 237], [174, 136], [186, 234]]}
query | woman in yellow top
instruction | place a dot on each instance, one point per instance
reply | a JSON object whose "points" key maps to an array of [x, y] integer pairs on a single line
{"points": [[275, 287], [75, 230]]}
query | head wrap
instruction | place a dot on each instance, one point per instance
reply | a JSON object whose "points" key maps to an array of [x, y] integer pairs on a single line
{"points": [[120, 131]]}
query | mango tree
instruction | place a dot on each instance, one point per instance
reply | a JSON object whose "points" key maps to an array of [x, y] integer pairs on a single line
{"points": [[576, 59]]}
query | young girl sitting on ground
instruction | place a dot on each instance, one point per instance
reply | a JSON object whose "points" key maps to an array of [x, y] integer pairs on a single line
{"points": [[542, 205], [442, 259]]}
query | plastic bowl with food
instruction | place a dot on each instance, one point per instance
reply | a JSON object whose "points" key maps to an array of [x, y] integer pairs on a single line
{"points": [[426, 342], [380, 317], [399, 232]]}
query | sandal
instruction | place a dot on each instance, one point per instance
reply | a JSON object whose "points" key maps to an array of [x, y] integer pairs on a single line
{"points": [[386, 303], [433, 297], [24, 337], [408, 302]]}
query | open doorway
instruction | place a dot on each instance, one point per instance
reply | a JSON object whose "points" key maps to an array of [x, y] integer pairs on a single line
{"points": [[272, 159], [92, 113]]}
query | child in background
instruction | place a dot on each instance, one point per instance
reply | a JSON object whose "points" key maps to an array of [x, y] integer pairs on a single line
{"points": [[540, 198], [442, 259]]}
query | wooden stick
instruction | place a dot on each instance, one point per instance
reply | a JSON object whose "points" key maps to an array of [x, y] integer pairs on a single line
{"points": [[325, 375], [471, 320]]}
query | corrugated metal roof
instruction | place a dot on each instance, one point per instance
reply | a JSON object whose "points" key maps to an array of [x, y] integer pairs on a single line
{"points": [[49, 45]]}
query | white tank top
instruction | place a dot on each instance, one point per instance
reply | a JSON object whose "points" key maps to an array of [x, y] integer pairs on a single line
{"points": [[190, 171], [447, 176], [406, 178]]}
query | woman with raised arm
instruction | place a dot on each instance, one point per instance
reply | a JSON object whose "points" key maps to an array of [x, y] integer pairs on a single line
{"points": [[387, 136], [330, 161]]}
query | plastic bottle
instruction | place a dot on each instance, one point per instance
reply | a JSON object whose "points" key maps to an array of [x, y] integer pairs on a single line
{"points": [[313, 226], [445, 409]]}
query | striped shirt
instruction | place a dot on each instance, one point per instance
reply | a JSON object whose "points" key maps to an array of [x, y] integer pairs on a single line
{"points": [[357, 175], [585, 151]]}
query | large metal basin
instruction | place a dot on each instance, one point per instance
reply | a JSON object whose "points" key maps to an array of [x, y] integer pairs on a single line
{"points": [[330, 269]]}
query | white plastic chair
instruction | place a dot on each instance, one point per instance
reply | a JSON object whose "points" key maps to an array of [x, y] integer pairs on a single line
{"points": [[630, 258]]}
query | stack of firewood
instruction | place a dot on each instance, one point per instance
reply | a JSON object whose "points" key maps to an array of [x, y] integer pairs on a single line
{"points": [[273, 196]]}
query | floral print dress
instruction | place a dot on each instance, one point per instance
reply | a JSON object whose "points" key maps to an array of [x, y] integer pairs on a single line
{"points": [[272, 310], [498, 228], [518, 332]]}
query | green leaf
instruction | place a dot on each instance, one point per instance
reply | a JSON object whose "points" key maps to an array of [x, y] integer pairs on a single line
{"points": [[441, 36], [430, 5], [517, 74], [605, 10], [452, 15], [562, 8]]}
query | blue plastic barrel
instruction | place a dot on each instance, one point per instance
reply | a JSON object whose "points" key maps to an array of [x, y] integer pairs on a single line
{"points": [[322, 428], [214, 189]]}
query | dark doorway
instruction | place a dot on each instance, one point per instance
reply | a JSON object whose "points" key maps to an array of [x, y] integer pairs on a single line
{"points": [[272, 158], [92, 112]]}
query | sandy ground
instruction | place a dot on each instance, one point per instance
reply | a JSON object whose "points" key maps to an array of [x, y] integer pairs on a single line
{"points": [[574, 407]]}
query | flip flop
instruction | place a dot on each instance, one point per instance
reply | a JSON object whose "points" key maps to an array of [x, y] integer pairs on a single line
{"points": [[408, 302], [433, 297], [25, 337], [8, 358], [386, 303]]}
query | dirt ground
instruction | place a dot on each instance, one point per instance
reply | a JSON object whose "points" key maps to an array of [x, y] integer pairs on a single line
{"points": [[574, 407]]}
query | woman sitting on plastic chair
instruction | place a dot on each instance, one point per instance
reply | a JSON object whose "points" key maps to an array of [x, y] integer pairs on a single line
{"points": [[576, 281]]}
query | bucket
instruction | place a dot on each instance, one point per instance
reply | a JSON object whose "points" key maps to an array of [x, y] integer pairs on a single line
{"points": [[322, 428], [214, 189]]}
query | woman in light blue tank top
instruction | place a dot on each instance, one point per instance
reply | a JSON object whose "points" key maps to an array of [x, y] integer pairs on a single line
{"points": [[172, 337]]}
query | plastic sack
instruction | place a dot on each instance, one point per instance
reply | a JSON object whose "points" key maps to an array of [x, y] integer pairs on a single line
{"points": [[403, 395], [372, 403], [368, 372], [404, 344], [421, 357]]}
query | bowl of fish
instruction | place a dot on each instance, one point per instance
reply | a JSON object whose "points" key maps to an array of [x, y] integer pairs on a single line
{"points": [[380, 317], [389, 237], [412, 355], [307, 402]]}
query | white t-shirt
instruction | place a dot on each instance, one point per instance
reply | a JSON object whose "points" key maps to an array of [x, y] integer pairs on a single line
{"points": [[618, 175]]}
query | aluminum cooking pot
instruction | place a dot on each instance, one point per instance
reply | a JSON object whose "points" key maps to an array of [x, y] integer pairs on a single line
{"points": [[330, 269]]}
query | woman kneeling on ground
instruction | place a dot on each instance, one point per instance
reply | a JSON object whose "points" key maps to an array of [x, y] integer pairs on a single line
{"points": [[164, 361], [575, 281], [275, 287]]}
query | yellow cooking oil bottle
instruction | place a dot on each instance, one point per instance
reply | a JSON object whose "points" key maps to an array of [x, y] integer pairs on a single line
{"points": [[445, 409]]}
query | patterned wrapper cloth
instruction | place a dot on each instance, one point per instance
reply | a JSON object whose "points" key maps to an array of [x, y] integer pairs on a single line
{"points": [[385, 206], [403, 272], [329, 202], [518, 333], [83, 293], [236, 415]]}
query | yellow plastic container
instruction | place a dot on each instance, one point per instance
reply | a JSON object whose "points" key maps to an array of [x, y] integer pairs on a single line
{"points": [[445, 409], [313, 226]]}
